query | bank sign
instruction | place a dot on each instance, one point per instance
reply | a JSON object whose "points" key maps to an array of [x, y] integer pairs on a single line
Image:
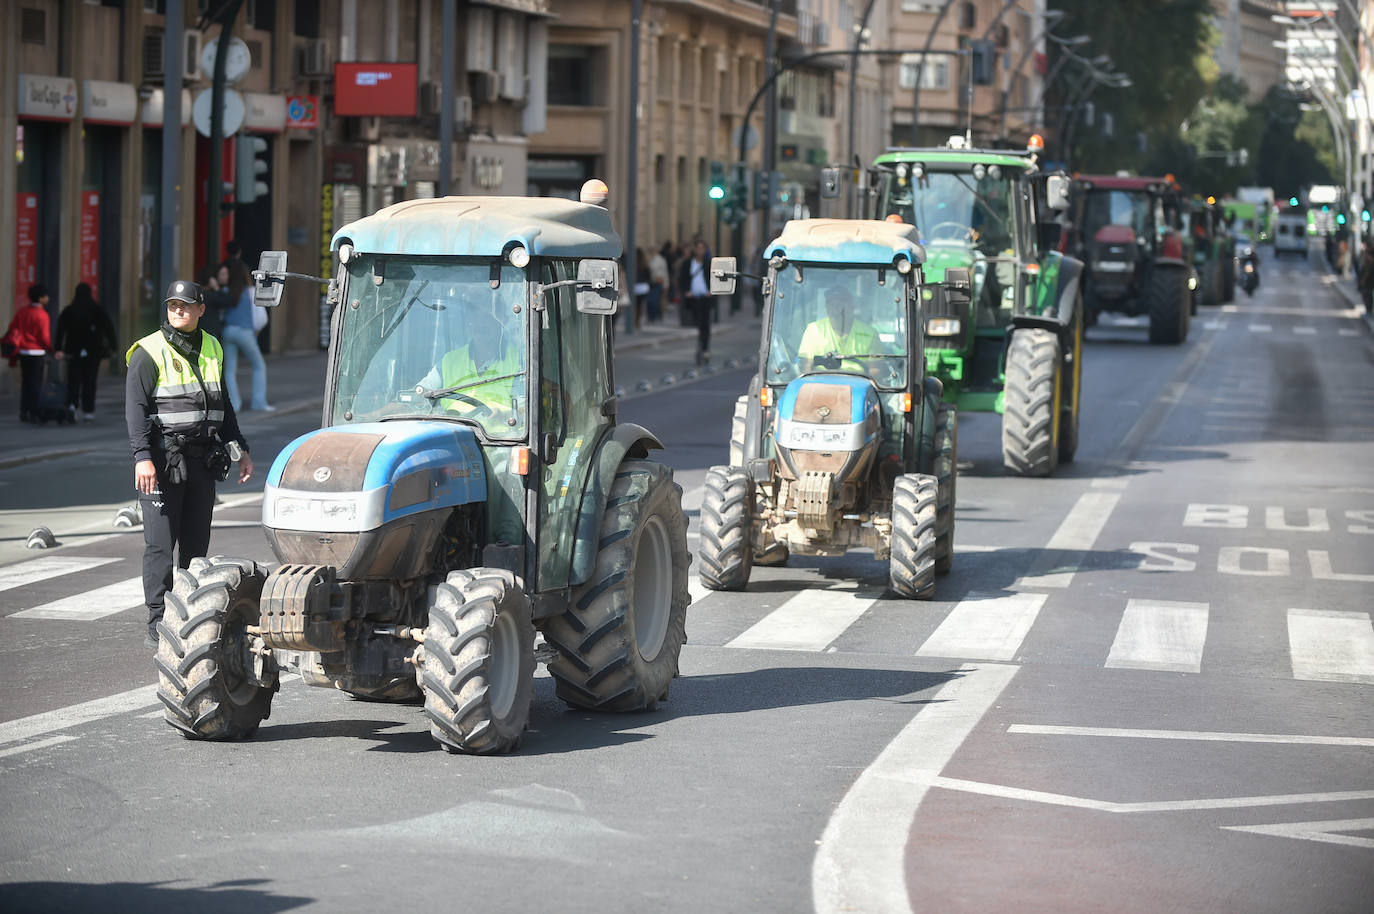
{"points": [[50, 98]]}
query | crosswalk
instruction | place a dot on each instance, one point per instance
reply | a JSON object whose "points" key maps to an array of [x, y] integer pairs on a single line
{"points": [[1154, 635]]}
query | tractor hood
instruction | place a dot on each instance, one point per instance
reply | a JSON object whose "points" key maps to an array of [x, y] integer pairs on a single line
{"points": [[941, 257]]}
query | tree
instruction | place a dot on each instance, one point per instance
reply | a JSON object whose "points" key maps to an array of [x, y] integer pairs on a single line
{"points": [[1295, 147]]}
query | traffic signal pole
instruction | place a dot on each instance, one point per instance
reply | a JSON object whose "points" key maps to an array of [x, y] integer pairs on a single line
{"points": [[214, 190]]}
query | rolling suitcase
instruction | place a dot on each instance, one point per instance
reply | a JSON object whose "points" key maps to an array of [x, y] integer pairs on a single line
{"points": [[52, 396]]}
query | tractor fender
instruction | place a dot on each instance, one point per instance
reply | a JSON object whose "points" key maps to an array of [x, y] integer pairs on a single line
{"points": [[1061, 316], [619, 442]]}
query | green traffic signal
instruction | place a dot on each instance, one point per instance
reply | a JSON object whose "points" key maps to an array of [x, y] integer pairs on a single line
{"points": [[715, 190], [1340, 218], [1292, 201], [1326, 208], [1364, 215]]}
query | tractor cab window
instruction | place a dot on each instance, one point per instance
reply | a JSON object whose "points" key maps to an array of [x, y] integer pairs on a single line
{"points": [[839, 319], [432, 339], [1118, 207]]}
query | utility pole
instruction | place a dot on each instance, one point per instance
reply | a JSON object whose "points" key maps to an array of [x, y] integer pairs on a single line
{"points": [[854, 90], [770, 116], [446, 98], [632, 178], [174, 36], [214, 191]]}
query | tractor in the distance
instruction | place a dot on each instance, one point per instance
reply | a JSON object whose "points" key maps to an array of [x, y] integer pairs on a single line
{"points": [[1014, 345], [842, 441], [470, 487], [1136, 257]]}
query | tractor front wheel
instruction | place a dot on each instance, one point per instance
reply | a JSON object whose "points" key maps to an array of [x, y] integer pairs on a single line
{"points": [[619, 639], [478, 662], [911, 566], [1031, 403], [726, 551], [215, 680]]}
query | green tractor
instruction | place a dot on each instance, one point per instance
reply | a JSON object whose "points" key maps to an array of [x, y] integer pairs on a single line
{"points": [[470, 487], [842, 441], [1213, 252], [1016, 346]]}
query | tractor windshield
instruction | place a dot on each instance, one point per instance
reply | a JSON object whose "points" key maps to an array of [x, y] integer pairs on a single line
{"points": [[1117, 207], [433, 339], [849, 318], [957, 210]]}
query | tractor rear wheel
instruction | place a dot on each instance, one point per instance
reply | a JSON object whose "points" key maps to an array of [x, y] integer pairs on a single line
{"points": [[209, 679], [726, 552], [947, 475], [1070, 401], [1167, 301], [619, 639], [1031, 403], [478, 662], [911, 566]]}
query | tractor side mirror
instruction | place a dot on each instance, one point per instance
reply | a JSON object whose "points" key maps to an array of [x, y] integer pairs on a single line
{"points": [[1057, 192], [269, 279], [958, 288], [830, 184], [723, 275], [597, 286]]}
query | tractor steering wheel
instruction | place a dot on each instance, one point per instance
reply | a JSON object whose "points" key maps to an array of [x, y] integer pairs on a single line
{"points": [[951, 231]]}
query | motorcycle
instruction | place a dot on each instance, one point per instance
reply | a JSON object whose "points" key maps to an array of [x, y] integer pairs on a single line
{"points": [[1249, 270]]}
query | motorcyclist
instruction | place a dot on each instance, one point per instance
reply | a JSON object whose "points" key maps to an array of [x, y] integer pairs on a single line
{"points": [[1248, 259]]}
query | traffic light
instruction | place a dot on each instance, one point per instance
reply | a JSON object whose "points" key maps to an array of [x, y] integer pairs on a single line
{"points": [[250, 168], [1292, 201], [715, 190], [1340, 218], [982, 58], [1364, 215], [765, 189], [1326, 208]]}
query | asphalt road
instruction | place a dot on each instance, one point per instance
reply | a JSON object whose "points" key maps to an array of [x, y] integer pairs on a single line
{"points": [[1146, 685]]}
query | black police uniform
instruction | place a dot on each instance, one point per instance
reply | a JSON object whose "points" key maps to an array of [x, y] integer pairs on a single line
{"points": [[177, 514]]}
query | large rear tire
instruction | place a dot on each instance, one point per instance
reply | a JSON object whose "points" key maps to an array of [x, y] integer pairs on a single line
{"points": [[205, 660], [911, 566], [478, 662], [947, 475], [1031, 398], [1072, 395], [1167, 300], [619, 639], [725, 554]]}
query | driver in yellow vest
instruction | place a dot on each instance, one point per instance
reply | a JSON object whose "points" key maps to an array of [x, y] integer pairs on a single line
{"points": [[838, 332], [481, 374], [184, 434]]}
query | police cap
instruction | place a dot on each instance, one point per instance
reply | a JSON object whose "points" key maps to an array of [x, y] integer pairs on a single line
{"points": [[183, 290]]}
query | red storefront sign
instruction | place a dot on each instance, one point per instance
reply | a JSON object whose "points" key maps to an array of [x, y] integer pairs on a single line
{"points": [[303, 112], [90, 237], [25, 246], [376, 89]]}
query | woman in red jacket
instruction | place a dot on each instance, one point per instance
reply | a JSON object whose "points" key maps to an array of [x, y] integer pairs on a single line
{"points": [[30, 335]]}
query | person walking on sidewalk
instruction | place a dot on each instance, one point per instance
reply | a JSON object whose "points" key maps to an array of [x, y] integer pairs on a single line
{"points": [[87, 337], [696, 294], [1365, 279], [658, 281], [241, 336], [184, 436], [30, 338]]}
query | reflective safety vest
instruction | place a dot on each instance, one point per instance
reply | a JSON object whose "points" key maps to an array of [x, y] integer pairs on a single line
{"points": [[459, 367], [822, 338], [179, 403]]}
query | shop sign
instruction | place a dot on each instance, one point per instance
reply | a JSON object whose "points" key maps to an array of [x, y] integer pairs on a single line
{"points": [[376, 89], [50, 98], [25, 245], [108, 103], [152, 109], [303, 112], [264, 113], [90, 237]]}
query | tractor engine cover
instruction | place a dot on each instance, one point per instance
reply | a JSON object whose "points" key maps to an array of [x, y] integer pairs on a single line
{"points": [[828, 428], [1114, 253], [370, 500]]}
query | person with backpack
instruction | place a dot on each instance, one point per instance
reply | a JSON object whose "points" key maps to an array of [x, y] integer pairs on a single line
{"points": [[27, 342], [87, 337]]}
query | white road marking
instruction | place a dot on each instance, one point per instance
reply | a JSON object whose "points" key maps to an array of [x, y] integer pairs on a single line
{"points": [[1060, 799], [40, 744], [51, 721], [1320, 562], [1261, 328], [1306, 331], [1075, 536], [1348, 332], [1204, 736], [91, 605], [959, 547], [697, 590], [860, 863], [985, 627], [1115, 482], [1213, 325], [1325, 832], [1331, 646], [52, 566], [1160, 635], [809, 621]]}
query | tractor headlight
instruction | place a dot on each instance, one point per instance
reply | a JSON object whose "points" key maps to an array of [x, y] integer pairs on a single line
{"points": [[345, 253], [943, 326], [903, 265], [518, 256], [994, 171], [979, 171], [902, 171], [1192, 283]]}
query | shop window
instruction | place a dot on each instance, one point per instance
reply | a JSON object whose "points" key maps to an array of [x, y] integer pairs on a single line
{"points": [[573, 75], [968, 16], [33, 26]]}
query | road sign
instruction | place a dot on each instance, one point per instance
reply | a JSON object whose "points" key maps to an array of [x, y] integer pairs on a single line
{"points": [[751, 137], [234, 111]]}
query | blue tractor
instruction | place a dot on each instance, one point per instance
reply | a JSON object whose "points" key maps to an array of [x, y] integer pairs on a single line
{"points": [[842, 441], [469, 488]]}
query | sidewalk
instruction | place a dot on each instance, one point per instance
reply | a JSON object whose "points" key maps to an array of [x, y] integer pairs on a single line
{"points": [[295, 384], [1347, 289]]}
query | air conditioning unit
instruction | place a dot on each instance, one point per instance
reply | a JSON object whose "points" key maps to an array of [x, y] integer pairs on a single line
{"points": [[432, 104], [312, 58], [486, 86], [462, 112], [155, 55], [190, 56]]}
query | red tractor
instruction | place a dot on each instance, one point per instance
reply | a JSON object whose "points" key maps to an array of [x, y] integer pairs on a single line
{"points": [[1135, 259]]}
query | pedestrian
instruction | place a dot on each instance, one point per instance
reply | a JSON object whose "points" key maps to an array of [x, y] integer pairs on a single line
{"points": [[1365, 277], [642, 285], [240, 335], [658, 281], [28, 340], [184, 435], [695, 282], [214, 288], [86, 336]]}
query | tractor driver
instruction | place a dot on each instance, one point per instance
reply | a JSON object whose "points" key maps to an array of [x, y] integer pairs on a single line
{"points": [[838, 332], [489, 363]]}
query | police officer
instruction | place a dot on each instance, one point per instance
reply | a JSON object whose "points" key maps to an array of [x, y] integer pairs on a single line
{"points": [[184, 436]]}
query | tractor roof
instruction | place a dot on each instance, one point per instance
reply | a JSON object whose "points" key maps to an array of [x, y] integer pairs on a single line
{"points": [[484, 227], [1007, 158], [1122, 182], [847, 241]]}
